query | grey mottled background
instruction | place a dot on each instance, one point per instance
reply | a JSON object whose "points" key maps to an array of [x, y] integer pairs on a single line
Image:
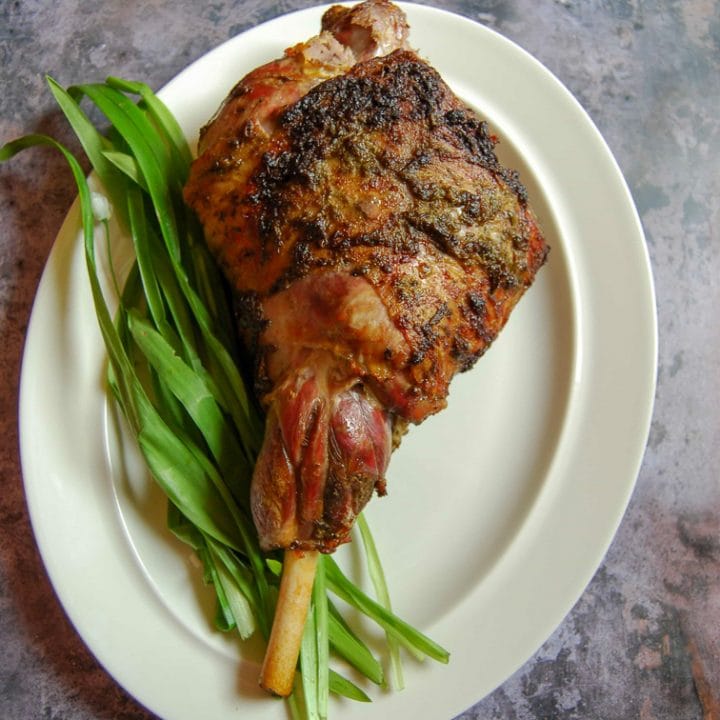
{"points": [[644, 639]]}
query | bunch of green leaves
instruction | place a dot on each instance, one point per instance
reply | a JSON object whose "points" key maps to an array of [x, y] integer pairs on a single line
{"points": [[174, 370]]}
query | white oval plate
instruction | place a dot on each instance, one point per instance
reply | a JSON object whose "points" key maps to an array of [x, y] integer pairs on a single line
{"points": [[500, 509]]}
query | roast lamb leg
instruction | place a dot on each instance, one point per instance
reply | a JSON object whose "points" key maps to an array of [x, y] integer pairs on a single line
{"points": [[376, 247]]}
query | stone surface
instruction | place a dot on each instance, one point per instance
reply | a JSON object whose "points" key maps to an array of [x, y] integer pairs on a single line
{"points": [[644, 639]]}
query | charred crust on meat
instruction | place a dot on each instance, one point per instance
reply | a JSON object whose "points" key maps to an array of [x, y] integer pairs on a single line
{"points": [[475, 303], [475, 312], [335, 122], [428, 335], [463, 353], [472, 132]]}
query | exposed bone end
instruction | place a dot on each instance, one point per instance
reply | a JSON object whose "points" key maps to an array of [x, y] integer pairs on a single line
{"points": [[278, 670]]}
